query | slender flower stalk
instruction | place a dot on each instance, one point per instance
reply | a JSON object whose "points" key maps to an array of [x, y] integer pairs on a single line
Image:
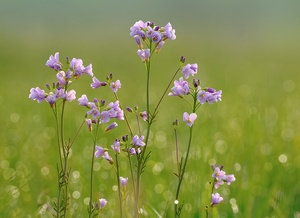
{"points": [[95, 137]]}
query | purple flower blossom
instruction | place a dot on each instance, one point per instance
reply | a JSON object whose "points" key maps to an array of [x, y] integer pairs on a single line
{"points": [[96, 83], [138, 141], [221, 177], [37, 94], [137, 39], [116, 146], [99, 151], [107, 157], [144, 54], [219, 174], [61, 77], [111, 126], [102, 203], [83, 100], [189, 69], [115, 111], [77, 66], [71, 95], [51, 98], [156, 36], [94, 111], [169, 32], [216, 199], [180, 87], [229, 179], [189, 119], [53, 62], [104, 116], [115, 86], [144, 115], [134, 151], [123, 181], [89, 123], [60, 93], [159, 46], [88, 70], [210, 96], [137, 28]]}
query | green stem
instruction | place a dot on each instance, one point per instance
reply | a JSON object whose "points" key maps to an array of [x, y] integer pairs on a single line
{"points": [[182, 170], [119, 186], [92, 171], [141, 158]]}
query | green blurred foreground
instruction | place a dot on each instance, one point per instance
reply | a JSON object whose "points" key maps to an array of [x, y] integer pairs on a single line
{"points": [[254, 132]]}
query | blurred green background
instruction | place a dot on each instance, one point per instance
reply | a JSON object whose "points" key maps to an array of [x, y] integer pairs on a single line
{"points": [[250, 50]]}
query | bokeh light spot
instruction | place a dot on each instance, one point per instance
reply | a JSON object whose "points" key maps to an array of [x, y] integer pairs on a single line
{"points": [[45, 171], [289, 85], [14, 117], [76, 174], [159, 188], [221, 146], [157, 168], [282, 158], [76, 194]]}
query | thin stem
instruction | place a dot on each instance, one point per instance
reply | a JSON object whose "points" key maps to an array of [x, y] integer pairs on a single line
{"points": [[166, 90], [80, 127], [125, 117], [92, 170], [177, 156], [119, 186], [182, 171]]}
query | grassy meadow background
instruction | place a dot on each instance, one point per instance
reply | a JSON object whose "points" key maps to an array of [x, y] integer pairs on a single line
{"points": [[250, 50]]}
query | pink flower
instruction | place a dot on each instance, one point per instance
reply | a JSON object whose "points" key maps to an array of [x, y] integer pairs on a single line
{"points": [[115, 86], [71, 95], [189, 119], [99, 151], [216, 199]]}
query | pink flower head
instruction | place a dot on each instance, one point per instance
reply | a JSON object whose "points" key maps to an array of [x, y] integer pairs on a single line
{"points": [[107, 157], [115, 86], [61, 77], [180, 87], [37, 94], [189, 118], [144, 115], [169, 32], [99, 151], [77, 66], [102, 203], [138, 141], [189, 69], [229, 179], [88, 70], [111, 126], [219, 174], [136, 29], [71, 95], [53, 62], [83, 100], [144, 54], [123, 181], [51, 98], [116, 146], [216, 199]]}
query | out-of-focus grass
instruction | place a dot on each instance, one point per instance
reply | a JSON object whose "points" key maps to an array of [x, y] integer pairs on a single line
{"points": [[254, 131]]}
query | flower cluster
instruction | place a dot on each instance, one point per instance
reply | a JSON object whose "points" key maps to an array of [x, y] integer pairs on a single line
{"points": [[98, 111], [182, 88], [59, 90], [150, 33], [220, 178]]}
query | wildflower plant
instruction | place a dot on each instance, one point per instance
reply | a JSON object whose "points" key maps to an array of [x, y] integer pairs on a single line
{"points": [[133, 144]]}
